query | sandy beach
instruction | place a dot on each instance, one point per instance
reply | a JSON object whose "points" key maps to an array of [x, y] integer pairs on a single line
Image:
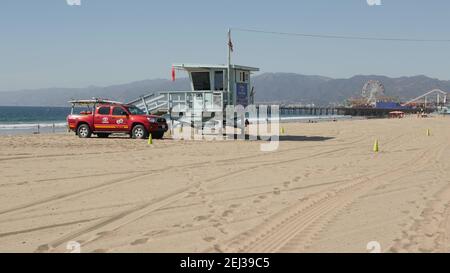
{"points": [[323, 190]]}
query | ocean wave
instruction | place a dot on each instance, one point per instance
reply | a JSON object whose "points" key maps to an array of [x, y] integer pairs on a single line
{"points": [[28, 126]]}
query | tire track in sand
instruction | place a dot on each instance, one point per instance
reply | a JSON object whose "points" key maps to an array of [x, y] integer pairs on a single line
{"points": [[293, 229], [140, 175], [113, 182], [114, 223], [430, 233], [110, 183]]}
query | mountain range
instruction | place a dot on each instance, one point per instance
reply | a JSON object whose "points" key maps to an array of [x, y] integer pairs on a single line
{"points": [[269, 87]]}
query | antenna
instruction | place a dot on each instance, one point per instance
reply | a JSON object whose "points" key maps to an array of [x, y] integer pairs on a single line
{"points": [[229, 67]]}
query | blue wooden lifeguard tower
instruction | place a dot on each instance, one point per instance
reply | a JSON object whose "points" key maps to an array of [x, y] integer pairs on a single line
{"points": [[211, 92]]}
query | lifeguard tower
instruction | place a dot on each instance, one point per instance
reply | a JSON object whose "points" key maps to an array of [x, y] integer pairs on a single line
{"points": [[211, 91]]}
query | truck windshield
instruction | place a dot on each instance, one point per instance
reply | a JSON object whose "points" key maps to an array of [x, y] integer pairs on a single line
{"points": [[134, 110]]}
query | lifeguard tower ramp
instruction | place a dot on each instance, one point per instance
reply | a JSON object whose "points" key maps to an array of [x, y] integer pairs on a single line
{"points": [[211, 91]]}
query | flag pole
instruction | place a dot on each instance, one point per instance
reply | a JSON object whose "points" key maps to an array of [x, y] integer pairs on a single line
{"points": [[229, 68]]}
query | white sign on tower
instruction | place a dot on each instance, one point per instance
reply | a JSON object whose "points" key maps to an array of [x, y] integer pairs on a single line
{"points": [[374, 2], [73, 2]]}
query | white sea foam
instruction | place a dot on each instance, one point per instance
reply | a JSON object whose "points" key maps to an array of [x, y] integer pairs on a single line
{"points": [[28, 126], [44, 125]]}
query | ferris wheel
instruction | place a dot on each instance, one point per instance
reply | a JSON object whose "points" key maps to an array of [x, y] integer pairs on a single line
{"points": [[372, 90]]}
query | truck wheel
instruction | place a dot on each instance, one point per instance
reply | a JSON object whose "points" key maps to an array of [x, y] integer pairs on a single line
{"points": [[84, 131], [102, 135], [157, 135], [139, 132]]}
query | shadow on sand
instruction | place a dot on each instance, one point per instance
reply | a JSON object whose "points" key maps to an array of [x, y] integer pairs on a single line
{"points": [[282, 138], [304, 138], [297, 138]]}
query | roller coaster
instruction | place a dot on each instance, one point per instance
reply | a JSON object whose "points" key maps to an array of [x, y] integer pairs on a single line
{"points": [[431, 99]]}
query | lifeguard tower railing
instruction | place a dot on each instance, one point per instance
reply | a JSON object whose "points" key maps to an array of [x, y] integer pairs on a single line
{"points": [[167, 102]]}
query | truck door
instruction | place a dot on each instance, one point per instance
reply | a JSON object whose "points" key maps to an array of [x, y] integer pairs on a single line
{"points": [[102, 119], [119, 119]]}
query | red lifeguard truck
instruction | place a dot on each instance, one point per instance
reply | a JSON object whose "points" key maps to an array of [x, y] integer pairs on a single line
{"points": [[105, 117]]}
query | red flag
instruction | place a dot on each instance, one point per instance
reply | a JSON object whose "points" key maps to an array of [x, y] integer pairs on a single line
{"points": [[173, 73], [230, 43]]}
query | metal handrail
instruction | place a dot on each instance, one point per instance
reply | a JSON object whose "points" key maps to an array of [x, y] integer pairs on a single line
{"points": [[182, 100], [141, 97]]}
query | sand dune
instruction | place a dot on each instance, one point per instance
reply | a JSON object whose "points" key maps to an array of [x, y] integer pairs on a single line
{"points": [[323, 190]]}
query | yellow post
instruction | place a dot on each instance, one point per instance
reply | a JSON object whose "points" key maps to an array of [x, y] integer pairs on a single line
{"points": [[150, 139], [428, 132], [282, 130], [376, 148]]}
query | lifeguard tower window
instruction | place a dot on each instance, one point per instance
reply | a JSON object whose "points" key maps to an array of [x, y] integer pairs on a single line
{"points": [[243, 77], [218, 80], [201, 81]]}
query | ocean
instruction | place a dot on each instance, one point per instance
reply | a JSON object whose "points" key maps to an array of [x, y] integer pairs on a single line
{"points": [[18, 119], [28, 120]]}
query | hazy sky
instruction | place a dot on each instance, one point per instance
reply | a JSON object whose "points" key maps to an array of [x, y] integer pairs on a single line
{"points": [[48, 43]]}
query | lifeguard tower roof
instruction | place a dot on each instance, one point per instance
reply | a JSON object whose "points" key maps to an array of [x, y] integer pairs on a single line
{"points": [[217, 66]]}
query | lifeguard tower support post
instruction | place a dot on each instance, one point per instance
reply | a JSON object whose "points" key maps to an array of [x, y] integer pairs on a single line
{"points": [[209, 92]]}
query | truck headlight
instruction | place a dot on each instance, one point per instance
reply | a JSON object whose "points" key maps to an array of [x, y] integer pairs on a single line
{"points": [[152, 120]]}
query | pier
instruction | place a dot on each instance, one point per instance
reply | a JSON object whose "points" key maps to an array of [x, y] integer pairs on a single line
{"points": [[345, 111], [376, 112], [308, 111]]}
